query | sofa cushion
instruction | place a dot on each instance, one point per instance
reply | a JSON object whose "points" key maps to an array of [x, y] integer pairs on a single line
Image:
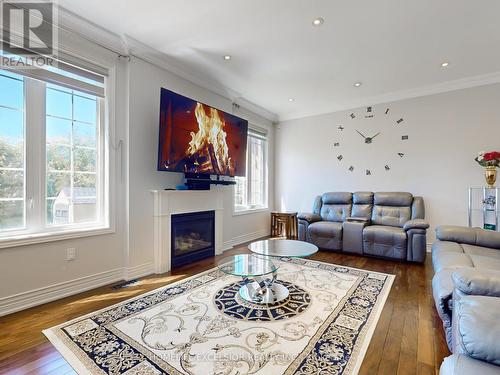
{"points": [[480, 250], [485, 262], [362, 197], [326, 229], [326, 234], [384, 241], [392, 216], [440, 247], [448, 259], [337, 198], [396, 199], [477, 329], [459, 364], [335, 212]]}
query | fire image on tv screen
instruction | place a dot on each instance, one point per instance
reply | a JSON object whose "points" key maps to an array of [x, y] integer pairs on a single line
{"points": [[196, 138]]}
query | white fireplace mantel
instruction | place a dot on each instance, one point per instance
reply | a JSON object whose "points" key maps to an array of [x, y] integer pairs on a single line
{"points": [[171, 202]]}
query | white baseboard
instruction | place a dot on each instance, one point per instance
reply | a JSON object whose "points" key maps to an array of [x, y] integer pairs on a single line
{"points": [[25, 300], [227, 245], [138, 271], [54, 292]]}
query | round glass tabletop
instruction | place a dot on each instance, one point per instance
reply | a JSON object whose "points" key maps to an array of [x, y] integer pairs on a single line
{"points": [[247, 265], [283, 248]]}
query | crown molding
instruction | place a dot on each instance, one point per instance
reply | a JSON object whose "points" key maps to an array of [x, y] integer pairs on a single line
{"points": [[438, 88], [126, 45]]}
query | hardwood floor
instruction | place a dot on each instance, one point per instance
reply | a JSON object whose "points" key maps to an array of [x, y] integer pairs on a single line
{"points": [[408, 339]]}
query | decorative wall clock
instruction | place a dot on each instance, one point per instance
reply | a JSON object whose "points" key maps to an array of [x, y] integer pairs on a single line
{"points": [[374, 135]]}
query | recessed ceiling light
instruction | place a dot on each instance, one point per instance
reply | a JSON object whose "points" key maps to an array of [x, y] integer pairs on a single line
{"points": [[357, 84], [318, 21], [291, 99], [227, 57], [445, 64]]}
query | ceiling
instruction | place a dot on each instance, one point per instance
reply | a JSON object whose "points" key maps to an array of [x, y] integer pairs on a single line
{"points": [[394, 47]]}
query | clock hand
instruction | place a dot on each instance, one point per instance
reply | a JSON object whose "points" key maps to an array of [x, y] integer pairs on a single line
{"points": [[375, 135], [361, 134]]}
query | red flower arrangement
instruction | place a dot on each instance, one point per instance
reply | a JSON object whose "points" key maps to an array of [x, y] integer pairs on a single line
{"points": [[488, 159]]}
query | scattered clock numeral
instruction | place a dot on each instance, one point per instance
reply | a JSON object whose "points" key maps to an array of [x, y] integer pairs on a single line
{"points": [[353, 115], [341, 128], [387, 111], [340, 157], [400, 154], [387, 168], [369, 116], [351, 168], [404, 138], [368, 172], [336, 144], [400, 121], [368, 109]]}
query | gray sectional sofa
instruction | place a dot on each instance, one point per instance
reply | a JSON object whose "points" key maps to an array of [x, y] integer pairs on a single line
{"points": [[384, 224], [466, 290]]}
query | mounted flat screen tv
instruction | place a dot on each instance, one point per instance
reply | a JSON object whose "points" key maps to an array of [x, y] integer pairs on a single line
{"points": [[199, 139]]}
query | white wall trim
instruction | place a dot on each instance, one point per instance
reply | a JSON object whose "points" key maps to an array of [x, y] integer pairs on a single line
{"points": [[22, 301], [438, 88], [227, 245], [136, 272]]}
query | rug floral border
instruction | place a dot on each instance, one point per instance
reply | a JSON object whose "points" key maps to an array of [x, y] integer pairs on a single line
{"points": [[341, 329]]}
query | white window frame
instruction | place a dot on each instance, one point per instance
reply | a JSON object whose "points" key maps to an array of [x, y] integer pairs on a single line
{"points": [[36, 229], [248, 209]]}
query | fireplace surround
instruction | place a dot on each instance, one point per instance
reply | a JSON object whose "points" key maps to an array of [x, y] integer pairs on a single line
{"points": [[169, 203]]}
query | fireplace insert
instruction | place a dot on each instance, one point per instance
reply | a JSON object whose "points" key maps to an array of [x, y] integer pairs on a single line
{"points": [[193, 237]]}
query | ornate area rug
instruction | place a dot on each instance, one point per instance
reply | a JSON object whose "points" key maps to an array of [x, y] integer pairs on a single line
{"points": [[200, 325]]}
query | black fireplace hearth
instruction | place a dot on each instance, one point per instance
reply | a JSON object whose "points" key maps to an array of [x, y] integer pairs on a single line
{"points": [[193, 237]]}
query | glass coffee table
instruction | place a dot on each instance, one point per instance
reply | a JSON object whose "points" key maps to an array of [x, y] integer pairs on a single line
{"points": [[259, 276], [283, 248]]}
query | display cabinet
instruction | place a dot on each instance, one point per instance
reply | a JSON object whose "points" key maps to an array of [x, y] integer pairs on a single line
{"points": [[483, 209]]}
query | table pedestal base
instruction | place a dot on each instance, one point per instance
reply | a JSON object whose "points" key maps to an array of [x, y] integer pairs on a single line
{"points": [[263, 291]]}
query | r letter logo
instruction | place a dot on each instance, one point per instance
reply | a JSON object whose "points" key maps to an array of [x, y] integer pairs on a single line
{"points": [[34, 22]]}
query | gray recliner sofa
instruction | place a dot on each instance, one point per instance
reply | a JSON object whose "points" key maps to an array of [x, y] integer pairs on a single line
{"points": [[475, 330], [459, 247], [383, 224]]}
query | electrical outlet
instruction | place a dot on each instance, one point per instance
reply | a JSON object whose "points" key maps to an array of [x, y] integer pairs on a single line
{"points": [[70, 254]]}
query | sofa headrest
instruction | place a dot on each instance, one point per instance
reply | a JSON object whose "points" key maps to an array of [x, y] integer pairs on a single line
{"points": [[337, 198], [393, 199], [363, 197]]}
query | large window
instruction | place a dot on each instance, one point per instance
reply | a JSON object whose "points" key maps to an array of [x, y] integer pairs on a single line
{"points": [[251, 190], [52, 160]]}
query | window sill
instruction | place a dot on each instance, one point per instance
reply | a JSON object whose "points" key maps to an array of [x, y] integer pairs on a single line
{"points": [[250, 211], [36, 238]]}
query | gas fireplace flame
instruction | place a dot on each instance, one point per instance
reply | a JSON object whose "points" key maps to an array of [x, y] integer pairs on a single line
{"points": [[208, 146]]}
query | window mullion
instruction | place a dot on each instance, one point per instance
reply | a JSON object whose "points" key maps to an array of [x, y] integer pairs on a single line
{"points": [[35, 153]]}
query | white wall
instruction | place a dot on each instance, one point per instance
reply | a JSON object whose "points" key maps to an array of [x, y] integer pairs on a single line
{"points": [[446, 132], [25, 269], [145, 83]]}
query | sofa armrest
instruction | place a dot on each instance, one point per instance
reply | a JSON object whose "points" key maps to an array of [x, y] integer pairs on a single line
{"points": [[476, 329], [358, 219], [483, 282], [309, 217], [471, 236], [416, 224]]}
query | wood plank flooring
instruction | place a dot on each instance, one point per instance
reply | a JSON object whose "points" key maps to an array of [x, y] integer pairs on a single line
{"points": [[408, 339]]}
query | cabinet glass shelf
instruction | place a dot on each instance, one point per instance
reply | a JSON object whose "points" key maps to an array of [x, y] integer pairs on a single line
{"points": [[484, 210]]}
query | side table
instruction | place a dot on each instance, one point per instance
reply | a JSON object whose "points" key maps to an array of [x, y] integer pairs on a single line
{"points": [[284, 224]]}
